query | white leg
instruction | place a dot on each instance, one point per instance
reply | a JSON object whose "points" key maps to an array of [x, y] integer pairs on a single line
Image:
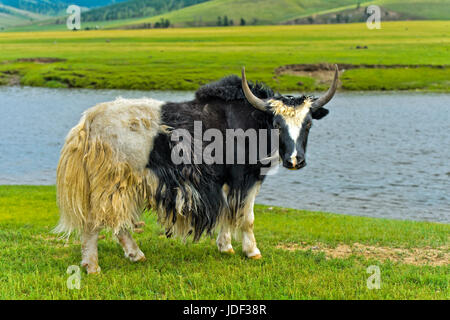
{"points": [[248, 238], [129, 246], [89, 251], [224, 240]]}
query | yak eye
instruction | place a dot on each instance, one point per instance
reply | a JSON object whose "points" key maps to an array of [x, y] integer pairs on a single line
{"points": [[276, 125]]}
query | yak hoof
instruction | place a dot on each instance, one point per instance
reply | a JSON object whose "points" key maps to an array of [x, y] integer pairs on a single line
{"points": [[136, 256], [229, 251], [138, 230], [139, 224], [92, 269], [256, 257]]}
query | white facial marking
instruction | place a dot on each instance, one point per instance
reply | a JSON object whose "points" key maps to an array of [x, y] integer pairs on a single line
{"points": [[295, 125]]}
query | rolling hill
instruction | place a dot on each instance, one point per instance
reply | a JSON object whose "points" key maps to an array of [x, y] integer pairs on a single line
{"points": [[28, 12], [10, 16], [288, 11], [391, 10], [54, 7], [253, 12], [136, 9], [197, 13], [117, 14]]}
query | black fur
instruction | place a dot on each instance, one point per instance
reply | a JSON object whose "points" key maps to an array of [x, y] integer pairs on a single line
{"points": [[230, 89]]}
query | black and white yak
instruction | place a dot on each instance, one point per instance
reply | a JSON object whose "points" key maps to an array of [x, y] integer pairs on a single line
{"points": [[116, 163]]}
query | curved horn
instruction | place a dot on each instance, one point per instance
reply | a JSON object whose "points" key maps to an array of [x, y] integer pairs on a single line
{"points": [[251, 98], [323, 100]]}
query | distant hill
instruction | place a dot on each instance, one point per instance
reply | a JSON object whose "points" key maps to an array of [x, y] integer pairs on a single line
{"points": [[259, 12], [419, 9], [198, 13], [256, 12], [10, 16], [54, 7], [391, 10], [110, 16], [136, 9]]}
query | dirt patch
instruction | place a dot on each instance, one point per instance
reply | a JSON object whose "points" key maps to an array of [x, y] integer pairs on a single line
{"points": [[10, 78], [415, 256], [13, 80], [41, 60], [324, 72]]}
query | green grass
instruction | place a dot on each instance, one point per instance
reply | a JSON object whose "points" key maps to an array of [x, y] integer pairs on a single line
{"points": [[184, 59], [33, 262], [50, 25]]}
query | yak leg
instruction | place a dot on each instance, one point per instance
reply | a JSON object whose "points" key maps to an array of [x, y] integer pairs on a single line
{"points": [[89, 251], [129, 246], [248, 238], [224, 239]]}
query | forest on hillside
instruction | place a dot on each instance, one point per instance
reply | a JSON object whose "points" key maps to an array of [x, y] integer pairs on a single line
{"points": [[136, 9]]}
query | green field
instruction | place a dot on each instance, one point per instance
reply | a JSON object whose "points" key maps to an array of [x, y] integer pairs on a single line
{"points": [[184, 59], [302, 258]]}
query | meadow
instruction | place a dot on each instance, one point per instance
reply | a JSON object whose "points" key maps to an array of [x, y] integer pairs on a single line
{"points": [[305, 256], [184, 59]]}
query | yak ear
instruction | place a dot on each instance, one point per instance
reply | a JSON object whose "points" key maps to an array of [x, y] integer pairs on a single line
{"points": [[319, 113], [258, 115]]}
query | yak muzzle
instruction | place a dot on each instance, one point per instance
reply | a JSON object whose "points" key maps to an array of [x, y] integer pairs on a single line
{"points": [[294, 164]]}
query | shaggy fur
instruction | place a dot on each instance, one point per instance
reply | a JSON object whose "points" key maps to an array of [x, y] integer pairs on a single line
{"points": [[101, 176]]}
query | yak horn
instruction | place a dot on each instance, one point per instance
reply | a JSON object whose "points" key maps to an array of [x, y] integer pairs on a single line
{"points": [[323, 100], [251, 98]]}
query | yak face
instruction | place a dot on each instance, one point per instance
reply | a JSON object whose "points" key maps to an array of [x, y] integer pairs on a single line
{"points": [[293, 118]]}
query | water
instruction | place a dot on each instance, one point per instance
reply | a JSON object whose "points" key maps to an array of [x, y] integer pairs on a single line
{"points": [[376, 154]]}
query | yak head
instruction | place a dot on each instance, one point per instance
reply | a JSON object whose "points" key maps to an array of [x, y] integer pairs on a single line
{"points": [[292, 116]]}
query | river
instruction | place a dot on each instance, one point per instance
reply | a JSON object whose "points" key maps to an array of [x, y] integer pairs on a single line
{"points": [[376, 154]]}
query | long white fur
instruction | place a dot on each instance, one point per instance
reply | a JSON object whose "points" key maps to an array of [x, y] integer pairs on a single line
{"points": [[102, 180]]}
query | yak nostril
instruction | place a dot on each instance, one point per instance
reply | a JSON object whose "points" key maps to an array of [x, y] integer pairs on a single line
{"points": [[288, 163], [301, 164]]}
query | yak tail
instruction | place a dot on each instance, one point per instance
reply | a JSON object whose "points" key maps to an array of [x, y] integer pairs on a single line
{"points": [[72, 181]]}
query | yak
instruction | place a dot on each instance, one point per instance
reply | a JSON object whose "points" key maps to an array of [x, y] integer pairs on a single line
{"points": [[117, 162]]}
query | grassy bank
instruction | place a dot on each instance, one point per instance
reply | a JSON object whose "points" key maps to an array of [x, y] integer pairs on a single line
{"points": [[304, 257], [183, 59]]}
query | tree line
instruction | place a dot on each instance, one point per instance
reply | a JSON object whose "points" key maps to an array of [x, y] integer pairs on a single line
{"points": [[225, 21]]}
